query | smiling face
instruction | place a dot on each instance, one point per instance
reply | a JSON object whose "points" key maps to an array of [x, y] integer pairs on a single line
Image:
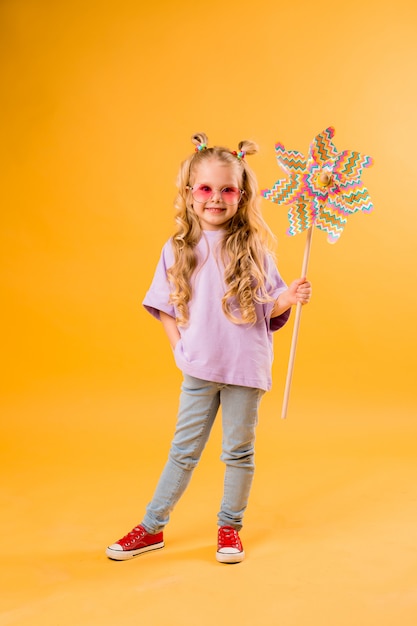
{"points": [[215, 214]]}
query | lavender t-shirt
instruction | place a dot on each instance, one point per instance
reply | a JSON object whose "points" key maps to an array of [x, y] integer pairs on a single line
{"points": [[212, 347]]}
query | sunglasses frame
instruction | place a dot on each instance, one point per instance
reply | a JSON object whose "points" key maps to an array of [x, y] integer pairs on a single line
{"points": [[241, 191]]}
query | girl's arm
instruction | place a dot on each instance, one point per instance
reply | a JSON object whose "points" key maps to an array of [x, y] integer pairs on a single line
{"points": [[298, 291], [170, 327]]}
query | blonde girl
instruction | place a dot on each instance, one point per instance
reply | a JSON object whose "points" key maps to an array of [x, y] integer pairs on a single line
{"points": [[219, 296]]}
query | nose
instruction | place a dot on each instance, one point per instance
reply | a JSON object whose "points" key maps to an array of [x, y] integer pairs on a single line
{"points": [[217, 195]]}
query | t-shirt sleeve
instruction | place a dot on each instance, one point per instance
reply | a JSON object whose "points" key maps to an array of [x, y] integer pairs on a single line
{"points": [[276, 287], [157, 296], [278, 322]]}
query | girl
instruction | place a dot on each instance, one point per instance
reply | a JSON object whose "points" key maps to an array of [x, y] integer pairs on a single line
{"points": [[219, 297]]}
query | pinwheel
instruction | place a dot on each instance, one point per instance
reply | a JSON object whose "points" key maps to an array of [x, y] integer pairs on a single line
{"points": [[320, 191]]}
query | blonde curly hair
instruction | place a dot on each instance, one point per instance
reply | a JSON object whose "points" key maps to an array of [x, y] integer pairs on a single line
{"points": [[246, 243]]}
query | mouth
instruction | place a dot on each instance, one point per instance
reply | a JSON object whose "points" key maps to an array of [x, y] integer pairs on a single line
{"points": [[214, 209]]}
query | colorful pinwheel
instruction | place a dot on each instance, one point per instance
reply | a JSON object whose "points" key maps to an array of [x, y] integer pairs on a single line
{"points": [[320, 191], [323, 189]]}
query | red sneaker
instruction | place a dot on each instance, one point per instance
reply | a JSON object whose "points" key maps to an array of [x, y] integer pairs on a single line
{"points": [[229, 546], [134, 543]]}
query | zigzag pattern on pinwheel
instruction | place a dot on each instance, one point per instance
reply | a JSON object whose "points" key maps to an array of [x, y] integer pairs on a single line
{"points": [[291, 161], [358, 200], [331, 222], [283, 192], [300, 217], [351, 164], [337, 205], [322, 148]]}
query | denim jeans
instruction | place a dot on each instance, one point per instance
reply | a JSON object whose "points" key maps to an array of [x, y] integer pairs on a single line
{"points": [[199, 404]]}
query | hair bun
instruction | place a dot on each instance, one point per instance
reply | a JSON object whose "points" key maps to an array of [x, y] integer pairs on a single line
{"points": [[248, 147], [200, 139]]}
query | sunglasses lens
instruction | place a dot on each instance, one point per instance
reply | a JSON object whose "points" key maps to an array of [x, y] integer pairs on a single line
{"points": [[202, 193], [231, 195]]}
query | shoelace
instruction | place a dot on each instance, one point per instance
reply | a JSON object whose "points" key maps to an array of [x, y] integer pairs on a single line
{"points": [[229, 537], [132, 535]]}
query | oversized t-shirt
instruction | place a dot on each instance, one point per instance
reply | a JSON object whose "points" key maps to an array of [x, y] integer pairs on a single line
{"points": [[211, 347]]}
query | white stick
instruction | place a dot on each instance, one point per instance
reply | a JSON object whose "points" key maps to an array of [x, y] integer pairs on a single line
{"points": [[296, 328]]}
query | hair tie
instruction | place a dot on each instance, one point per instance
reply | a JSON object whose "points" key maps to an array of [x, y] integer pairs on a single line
{"points": [[201, 147], [239, 155]]}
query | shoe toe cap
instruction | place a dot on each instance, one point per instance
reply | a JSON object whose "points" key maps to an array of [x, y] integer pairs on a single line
{"points": [[228, 551], [115, 547]]}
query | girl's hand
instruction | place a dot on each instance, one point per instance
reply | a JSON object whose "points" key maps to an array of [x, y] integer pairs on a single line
{"points": [[298, 292]]}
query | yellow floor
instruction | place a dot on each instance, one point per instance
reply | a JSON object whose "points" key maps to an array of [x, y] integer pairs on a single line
{"points": [[330, 533]]}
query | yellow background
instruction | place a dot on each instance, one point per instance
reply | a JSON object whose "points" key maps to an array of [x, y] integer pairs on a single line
{"points": [[98, 101]]}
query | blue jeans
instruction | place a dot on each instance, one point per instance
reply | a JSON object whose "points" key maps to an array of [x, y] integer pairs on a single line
{"points": [[199, 404]]}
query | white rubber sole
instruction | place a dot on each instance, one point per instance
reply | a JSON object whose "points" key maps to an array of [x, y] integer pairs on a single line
{"points": [[124, 555], [230, 557]]}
